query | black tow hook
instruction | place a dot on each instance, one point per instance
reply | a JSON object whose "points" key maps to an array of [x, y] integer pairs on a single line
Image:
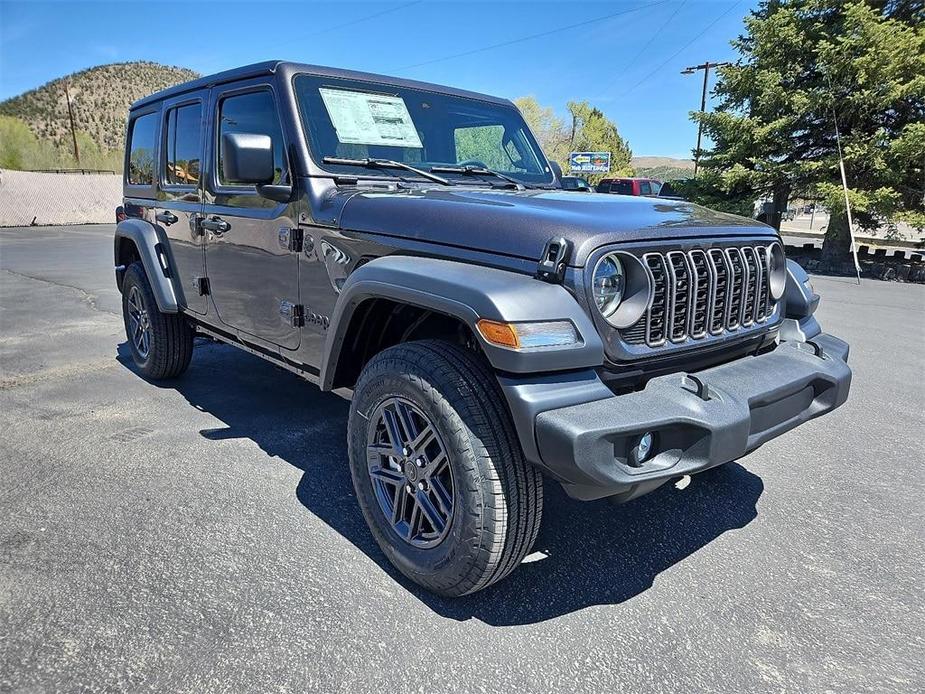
{"points": [[696, 386]]}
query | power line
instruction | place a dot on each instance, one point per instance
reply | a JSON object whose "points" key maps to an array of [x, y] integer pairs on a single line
{"points": [[683, 48], [650, 41], [364, 19], [531, 36]]}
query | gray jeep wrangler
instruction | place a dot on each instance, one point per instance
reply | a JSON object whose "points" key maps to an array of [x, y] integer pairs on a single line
{"points": [[410, 243]]}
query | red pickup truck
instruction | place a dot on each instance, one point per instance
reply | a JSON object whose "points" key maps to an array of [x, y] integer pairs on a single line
{"points": [[630, 186]]}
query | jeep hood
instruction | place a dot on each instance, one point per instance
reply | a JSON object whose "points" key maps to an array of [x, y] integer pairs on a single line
{"points": [[518, 223]]}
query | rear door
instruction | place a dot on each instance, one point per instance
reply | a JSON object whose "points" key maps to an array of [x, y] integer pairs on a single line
{"points": [[253, 276], [179, 199]]}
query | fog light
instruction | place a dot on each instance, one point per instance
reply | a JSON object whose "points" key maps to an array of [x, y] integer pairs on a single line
{"points": [[644, 447]]}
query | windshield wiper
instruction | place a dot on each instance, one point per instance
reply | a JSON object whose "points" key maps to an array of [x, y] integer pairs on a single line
{"points": [[477, 171], [387, 164]]}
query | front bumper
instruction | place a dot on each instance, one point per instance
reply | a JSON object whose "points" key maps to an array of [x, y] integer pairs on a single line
{"points": [[699, 420]]}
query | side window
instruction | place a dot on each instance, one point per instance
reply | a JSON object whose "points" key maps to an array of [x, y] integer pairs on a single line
{"points": [[140, 171], [645, 188], [622, 187], [183, 145], [254, 112]]}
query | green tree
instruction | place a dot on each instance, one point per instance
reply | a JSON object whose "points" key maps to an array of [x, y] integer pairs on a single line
{"points": [[549, 129], [20, 149], [587, 130], [803, 64]]}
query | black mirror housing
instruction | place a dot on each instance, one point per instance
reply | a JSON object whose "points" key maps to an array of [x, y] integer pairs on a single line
{"points": [[247, 158], [556, 169]]}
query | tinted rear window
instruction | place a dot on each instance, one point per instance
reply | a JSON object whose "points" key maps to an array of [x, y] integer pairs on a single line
{"points": [[140, 170], [622, 187]]}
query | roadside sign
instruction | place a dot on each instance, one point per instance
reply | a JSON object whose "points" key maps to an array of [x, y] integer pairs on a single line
{"points": [[589, 162]]}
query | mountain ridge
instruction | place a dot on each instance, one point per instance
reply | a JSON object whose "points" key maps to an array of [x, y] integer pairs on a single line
{"points": [[100, 98]]}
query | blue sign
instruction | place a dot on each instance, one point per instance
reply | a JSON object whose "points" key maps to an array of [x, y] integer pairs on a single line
{"points": [[589, 162]]}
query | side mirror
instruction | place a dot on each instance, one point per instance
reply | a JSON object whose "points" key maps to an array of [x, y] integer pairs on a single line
{"points": [[556, 169], [247, 158]]}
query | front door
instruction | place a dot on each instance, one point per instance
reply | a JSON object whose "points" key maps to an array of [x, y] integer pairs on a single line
{"points": [[253, 277], [179, 199]]}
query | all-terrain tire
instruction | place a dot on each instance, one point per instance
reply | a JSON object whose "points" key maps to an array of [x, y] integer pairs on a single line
{"points": [[497, 494], [170, 339]]}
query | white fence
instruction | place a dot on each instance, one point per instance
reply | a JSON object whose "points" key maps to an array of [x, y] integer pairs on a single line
{"points": [[58, 198]]}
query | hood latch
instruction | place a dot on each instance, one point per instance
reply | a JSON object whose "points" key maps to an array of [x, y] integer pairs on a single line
{"points": [[551, 267]]}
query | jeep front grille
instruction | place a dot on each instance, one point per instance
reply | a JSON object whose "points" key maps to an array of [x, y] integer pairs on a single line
{"points": [[699, 293]]}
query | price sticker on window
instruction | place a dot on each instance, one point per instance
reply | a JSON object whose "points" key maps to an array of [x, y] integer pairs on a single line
{"points": [[362, 118]]}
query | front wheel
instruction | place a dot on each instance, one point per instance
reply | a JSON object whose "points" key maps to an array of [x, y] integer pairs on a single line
{"points": [[161, 343], [438, 470]]}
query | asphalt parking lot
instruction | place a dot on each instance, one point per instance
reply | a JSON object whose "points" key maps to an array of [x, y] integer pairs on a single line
{"points": [[203, 536]]}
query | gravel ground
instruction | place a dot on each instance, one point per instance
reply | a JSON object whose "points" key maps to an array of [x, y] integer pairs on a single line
{"points": [[203, 535]]}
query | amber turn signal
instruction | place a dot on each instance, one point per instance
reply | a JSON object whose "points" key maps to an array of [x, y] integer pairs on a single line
{"points": [[530, 335], [501, 334]]}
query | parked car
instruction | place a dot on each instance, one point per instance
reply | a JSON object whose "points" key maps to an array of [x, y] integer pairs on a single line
{"points": [[576, 183], [409, 243], [630, 186]]}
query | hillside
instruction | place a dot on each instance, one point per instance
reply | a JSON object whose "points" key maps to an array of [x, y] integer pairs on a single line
{"points": [[663, 168], [100, 97]]}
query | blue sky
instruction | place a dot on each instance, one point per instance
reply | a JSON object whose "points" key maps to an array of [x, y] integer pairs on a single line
{"points": [[622, 56]]}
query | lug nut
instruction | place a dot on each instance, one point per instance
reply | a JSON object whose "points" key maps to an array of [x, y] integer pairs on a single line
{"points": [[420, 462], [405, 452], [421, 486]]}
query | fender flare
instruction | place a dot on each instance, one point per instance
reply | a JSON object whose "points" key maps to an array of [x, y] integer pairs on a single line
{"points": [[150, 250], [468, 293]]}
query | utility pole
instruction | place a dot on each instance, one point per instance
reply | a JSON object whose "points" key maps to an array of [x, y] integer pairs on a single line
{"points": [[703, 100], [70, 115]]}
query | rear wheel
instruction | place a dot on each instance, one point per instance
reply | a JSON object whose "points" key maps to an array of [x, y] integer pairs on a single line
{"points": [[161, 343], [438, 470]]}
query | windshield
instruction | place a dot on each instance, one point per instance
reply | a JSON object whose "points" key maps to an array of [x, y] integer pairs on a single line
{"points": [[348, 119]]}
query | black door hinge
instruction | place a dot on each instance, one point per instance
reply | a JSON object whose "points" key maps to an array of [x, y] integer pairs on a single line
{"points": [[293, 313], [291, 238], [551, 267], [298, 316]]}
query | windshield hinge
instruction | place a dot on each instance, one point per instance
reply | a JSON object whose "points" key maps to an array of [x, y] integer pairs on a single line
{"points": [[551, 267]]}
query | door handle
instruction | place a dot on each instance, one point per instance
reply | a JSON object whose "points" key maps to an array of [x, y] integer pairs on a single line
{"points": [[167, 218], [216, 225]]}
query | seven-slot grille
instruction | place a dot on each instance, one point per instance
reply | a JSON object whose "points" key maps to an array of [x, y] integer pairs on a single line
{"points": [[703, 292]]}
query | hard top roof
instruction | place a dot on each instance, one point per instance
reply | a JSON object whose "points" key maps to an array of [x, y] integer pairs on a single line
{"points": [[270, 67]]}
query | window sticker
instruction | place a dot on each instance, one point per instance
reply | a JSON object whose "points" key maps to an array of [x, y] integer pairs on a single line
{"points": [[362, 118]]}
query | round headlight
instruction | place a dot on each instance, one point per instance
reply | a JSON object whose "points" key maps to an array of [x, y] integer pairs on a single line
{"points": [[777, 271], [609, 281]]}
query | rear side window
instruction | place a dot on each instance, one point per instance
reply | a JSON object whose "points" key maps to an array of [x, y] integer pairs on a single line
{"points": [[645, 188], [252, 113], [622, 187], [140, 171], [183, 145]]}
